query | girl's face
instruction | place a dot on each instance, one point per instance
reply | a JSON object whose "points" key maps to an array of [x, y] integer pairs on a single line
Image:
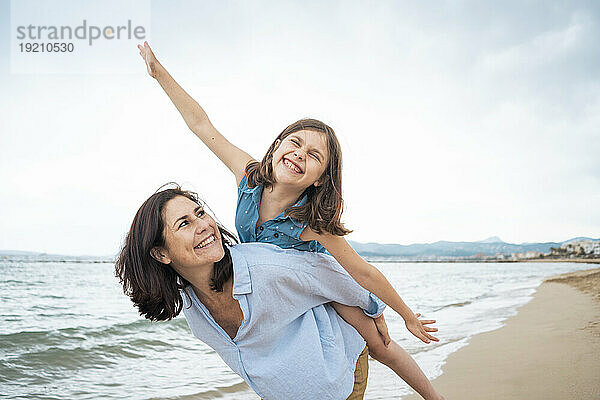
{"points": [[301, 158], [192, 238]]}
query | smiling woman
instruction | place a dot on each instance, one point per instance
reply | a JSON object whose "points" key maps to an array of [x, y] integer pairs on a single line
{"points": [[152, 286], [176, 257]]}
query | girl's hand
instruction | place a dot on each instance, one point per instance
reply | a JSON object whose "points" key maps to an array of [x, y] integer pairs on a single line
{"points": [[418, 328], [152, 63], [383, 329]]}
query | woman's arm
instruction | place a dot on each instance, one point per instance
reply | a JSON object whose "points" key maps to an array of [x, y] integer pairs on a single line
{"points": [[196, 119], [371, 279]]}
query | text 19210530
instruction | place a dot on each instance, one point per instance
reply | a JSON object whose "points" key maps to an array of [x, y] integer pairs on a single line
{"points": [[50, 47]]}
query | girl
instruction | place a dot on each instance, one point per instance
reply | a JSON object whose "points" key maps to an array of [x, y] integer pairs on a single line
{"points": [[292, 198]]}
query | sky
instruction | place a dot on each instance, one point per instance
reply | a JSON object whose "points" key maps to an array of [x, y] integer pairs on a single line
{"points": [[458, 120]]}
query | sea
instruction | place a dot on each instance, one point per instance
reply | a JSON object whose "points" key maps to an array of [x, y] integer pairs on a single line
{"points": [[68, 332]]}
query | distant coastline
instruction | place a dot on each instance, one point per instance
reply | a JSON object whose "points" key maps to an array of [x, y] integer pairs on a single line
{"points": [[97, 260], [34, 257], [42, 260], [579, 249], [471, 260], [490, 250]]}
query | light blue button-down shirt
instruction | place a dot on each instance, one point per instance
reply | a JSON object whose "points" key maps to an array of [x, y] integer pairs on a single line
{"points": [[291, 344]]}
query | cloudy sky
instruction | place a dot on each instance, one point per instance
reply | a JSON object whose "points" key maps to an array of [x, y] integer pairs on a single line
{"points": [[458, 120]]}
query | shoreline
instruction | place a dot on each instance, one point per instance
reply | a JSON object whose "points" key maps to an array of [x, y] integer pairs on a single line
{"points": [[549, 350], [541, 260]]}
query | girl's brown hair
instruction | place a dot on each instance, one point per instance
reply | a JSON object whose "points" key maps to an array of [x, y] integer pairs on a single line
{"points": [[153, 286], [324, 205]]}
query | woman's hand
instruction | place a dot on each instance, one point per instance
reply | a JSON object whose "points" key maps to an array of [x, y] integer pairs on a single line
{"points": [[152, 63], [383, 329], [418, 328]]}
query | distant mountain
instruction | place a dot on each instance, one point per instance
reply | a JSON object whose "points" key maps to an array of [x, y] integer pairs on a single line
{"points": [[374, 251], [448, 250], [579, 238], [493, 239], [17, 253]]}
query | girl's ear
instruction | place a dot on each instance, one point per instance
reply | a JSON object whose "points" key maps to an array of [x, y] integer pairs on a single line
{"points": [[277, 143], [320, 181], [160, 255]]}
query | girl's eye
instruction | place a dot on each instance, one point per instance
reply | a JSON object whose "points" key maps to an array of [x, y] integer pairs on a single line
{"points": [[315, 156], [295, 142]]}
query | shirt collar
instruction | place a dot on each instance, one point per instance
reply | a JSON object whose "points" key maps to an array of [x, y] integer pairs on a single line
{"points": [[299, 203], [255, 192], [242, 284]]}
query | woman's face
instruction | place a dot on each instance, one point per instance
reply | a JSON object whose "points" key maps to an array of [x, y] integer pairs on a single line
{"points": [[301, 158], [192, 238]]}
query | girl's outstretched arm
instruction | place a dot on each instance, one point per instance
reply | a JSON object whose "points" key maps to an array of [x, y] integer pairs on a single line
{"points": [[371, 279], [196, 119]]}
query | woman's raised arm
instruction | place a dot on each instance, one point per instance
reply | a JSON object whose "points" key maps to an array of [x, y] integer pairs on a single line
{"points": [[196, 119]]}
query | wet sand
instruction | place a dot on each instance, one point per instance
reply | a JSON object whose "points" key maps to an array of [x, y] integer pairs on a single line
{"points": [[549, 350]]}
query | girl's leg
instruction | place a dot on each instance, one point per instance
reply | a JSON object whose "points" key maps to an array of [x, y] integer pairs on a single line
{"points": [[393, 356]]}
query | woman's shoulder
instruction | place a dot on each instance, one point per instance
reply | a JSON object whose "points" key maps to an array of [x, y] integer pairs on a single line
{"points": [[259, 253]]}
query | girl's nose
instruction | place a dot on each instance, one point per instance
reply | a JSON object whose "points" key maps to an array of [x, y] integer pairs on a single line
{"points": [[298, 155]]}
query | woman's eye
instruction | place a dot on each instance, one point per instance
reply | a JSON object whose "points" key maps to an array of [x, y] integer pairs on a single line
{"points": [[184, 223], [201, 213]]}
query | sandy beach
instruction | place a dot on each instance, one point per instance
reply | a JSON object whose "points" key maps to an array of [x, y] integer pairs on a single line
{"points": [[549, 350]]}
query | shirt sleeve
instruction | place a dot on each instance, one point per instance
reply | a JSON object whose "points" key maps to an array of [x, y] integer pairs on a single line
{"points": [[330, 280]]}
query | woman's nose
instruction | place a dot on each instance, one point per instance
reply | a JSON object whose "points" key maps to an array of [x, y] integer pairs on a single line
{"points": [[201, 224]]}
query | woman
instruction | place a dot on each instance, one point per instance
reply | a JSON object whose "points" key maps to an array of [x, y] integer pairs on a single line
{"points": [[261, 308]]}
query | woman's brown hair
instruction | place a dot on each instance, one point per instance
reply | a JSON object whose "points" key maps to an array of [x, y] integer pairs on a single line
{"points": [[154, 288], [324, 205]]}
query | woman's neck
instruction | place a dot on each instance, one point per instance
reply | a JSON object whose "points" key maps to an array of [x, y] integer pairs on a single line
{"points": [[199, 278], [208, 296]]}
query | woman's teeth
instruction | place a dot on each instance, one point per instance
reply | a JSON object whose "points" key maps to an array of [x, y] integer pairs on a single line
{"points": [[291, 166], [206, 242]]}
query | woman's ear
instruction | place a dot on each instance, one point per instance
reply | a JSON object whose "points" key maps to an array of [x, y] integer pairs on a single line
{"points": [[160, 255]]}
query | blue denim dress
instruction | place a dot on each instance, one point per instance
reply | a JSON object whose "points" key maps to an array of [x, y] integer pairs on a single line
{"points": [[282, 231]]}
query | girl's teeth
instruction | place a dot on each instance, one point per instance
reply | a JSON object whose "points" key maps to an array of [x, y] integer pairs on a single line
{"points": [[292, 166]]}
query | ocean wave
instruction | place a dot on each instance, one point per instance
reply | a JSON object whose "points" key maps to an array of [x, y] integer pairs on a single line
{"points": [[45, 307], [56, 358], [459, 304], [27, 339], [136, 326], [50, 296], [8, 281], [430, 347], [125, 333]]}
